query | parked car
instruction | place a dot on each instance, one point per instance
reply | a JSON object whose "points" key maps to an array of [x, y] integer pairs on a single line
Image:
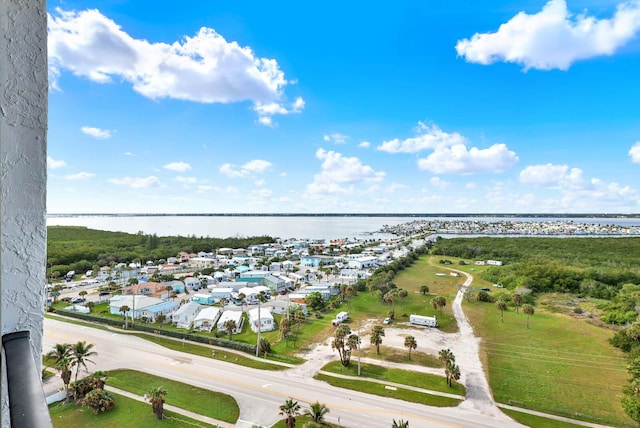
{"points": [[78, 300], [386, 321]]}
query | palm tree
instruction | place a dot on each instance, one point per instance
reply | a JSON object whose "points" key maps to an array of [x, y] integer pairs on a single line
{"points": [[452, 372], [223, 301], [265, 346], [161, 318], [528, 310], [61, 356], [517, 300], [434, 304], [99, 401], [446, 356], [229, 326], [97, 379], [391, 296], [82, 293], [502, 306], [400, 424], [410, 343], [376, 337], [442, 302], [123, 310], [80, 353], [156, 398], [316, 412], [290, 409]]}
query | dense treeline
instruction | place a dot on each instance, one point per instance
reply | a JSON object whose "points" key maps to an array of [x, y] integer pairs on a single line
{"points": [[79, 248], [595, 267]]}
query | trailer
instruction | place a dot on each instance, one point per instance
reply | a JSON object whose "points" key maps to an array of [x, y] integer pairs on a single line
{"points": [[423, 320], [340, 317]]}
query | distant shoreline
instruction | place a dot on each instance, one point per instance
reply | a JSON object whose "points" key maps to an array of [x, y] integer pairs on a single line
{"points": [[411, 215]]}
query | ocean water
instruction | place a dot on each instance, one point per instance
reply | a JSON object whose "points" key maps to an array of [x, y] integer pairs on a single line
{"points": [[311, 227]]}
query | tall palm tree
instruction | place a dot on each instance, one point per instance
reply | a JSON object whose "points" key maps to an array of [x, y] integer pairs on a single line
{"points": [[61, 356], [517, 300], [156, 398], [80, 353], [502, 306], [528, 310], [229, 326], [290, 409], [446, 356], [434, 304], [123, 310], [316, 412], [452, 372], [223, 301], [410, 343], [376, 337], [441, 302]]}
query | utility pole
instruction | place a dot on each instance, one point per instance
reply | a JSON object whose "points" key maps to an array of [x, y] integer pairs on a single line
{"points": [[259, 328], [358, 348]]}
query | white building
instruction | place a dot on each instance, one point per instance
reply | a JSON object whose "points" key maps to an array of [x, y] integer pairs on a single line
{"points": [[184, 316], [206, 319], [261, 317], [230, 315]]}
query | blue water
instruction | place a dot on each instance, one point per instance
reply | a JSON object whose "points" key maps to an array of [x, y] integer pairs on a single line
{"points": [[312, 227]]}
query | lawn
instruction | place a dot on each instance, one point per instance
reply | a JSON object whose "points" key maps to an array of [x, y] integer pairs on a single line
{"points": [[404, 377], [561, 365], [391, 392], [126, 413], [198, 400], [537, 421], [395, 355]]}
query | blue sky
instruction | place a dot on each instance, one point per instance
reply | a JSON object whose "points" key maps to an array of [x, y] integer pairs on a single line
{"points": [[350, 107]]}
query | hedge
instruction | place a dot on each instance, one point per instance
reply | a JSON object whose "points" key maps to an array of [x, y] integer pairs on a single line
{"points": [[217, 341]]}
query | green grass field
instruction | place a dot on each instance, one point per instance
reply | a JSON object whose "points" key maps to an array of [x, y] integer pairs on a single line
{"points": [[404, 377], [126, 413], [383, 391], [534, 421], [561, 365], [198, 400]]}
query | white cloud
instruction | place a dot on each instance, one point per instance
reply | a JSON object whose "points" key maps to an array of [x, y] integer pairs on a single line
{"points": [[186, 180], [553, 38], [80, 176], [364, 145], [129, 154], [338, 172], [428, 138], [457, 159], [55, 164], [336, 138], [471, 185], [634, 152], [439, 183], [101, 134], [137, 182], [260, 182], [553, 176], [177, 166], [255, 166], [578, 194], [266, 111], [203, 68]]}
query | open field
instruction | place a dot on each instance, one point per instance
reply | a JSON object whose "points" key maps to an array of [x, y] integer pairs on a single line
{"points": [[198, 400], [404, 377], [126, 413], [561, 365], [537, 421], [383, 391]]}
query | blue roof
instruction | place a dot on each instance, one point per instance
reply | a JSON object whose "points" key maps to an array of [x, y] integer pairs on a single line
{"points": [[161, 306]]}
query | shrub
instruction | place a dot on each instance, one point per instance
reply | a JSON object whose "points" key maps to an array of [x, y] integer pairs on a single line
{"points": [[483, 296]]}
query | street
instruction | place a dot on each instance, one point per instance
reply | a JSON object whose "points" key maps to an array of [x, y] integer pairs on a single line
{"points": [[259, 392]]}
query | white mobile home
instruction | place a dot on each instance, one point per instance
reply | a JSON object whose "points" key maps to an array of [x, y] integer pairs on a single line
{"points": [[206, 319], [261, 317], [423, 320], [184, 316], [230, 315]]}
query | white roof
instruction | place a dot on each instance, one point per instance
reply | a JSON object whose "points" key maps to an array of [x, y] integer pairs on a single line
{"points": [[187, 308], [141, 302], [265, 313], [207, 314], [230, 315]]}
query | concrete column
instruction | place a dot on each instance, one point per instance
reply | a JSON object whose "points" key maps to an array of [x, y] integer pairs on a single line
{"points": [[23, 171]]}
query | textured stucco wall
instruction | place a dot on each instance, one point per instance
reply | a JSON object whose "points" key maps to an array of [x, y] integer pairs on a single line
{"points": [[23, 125]]}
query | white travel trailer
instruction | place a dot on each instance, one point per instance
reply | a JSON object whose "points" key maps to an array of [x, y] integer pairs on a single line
{"points": [[423, 320], [340, 317]]}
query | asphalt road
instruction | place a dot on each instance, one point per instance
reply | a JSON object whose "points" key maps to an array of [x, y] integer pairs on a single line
{"points": [[259, 393]]}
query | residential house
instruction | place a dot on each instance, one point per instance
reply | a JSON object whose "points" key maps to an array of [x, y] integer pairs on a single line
{"points": [[192, 283], [150, 289], [230, 315], [141, 306], [184, 316], [364, 263], [165, 308], [262, 319], [202, 262], [204, 298], [206, 319], [220, 292]]}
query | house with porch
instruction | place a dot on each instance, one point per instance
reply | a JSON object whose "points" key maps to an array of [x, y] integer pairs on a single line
{"points": [[262, 319], [236, 316], [183, 317], [206, 319]]}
